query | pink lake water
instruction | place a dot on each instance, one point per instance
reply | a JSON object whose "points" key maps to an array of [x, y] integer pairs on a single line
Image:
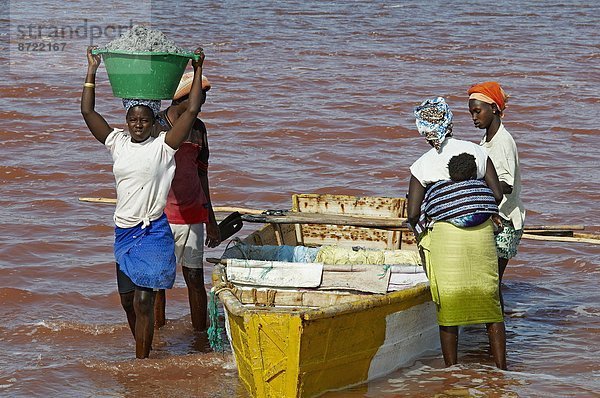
{"points": [[311, 97]]}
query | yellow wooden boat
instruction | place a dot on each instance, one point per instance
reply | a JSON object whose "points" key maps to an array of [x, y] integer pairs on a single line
{"points": [[302, 342]]}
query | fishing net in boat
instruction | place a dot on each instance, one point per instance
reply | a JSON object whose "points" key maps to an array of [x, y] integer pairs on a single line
{"points": [[215, 331]]}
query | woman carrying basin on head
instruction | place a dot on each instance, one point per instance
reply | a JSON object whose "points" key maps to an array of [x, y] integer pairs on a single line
{"points": [[143, 167]]}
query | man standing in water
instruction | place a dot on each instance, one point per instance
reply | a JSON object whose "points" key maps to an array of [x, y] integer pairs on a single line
{"points": [[487, 102], [189, 206]]}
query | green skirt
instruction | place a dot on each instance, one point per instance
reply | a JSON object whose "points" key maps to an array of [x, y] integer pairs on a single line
{"points": [[462, 268]]}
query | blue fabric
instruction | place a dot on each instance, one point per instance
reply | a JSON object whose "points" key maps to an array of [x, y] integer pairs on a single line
{"points": [[154, 105], [264, 253], [303, 254], [147, 255], [161, 119], [290, 254], [470, 220]]}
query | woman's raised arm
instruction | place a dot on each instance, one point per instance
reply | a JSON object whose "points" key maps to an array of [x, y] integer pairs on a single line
{"points": [[95, 122], [182, 126]]}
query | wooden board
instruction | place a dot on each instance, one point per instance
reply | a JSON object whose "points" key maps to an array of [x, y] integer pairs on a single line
{"points": [[589, 238], [329, 219], [349, 235], [293, 298], [271, 234], [368, 278], [274, 273]]}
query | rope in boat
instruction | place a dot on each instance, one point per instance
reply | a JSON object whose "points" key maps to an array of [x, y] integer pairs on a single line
{"points": [[215, 330]]}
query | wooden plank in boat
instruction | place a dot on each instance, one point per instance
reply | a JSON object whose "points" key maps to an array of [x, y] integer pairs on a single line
{"points": [[293, 298], [329, 219], [368, 278], [315, 234], [318, 235], [400, 280], [274, 273], [349, 205], [268, 236]]}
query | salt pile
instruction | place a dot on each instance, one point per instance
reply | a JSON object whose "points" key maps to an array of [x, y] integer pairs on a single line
{"points": [[140, 38]]}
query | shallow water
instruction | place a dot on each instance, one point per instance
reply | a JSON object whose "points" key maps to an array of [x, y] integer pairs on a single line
{"points": [[306, 97]]}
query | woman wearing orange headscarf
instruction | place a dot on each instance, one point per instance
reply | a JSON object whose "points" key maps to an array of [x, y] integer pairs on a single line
{"points": [[487, 102]]}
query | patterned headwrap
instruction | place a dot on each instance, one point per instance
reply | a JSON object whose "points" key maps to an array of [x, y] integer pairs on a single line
{"points": [[154, 105], [490, 93], [434, 120]]}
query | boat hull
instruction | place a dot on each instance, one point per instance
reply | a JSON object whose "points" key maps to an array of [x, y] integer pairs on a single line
{"points": [[304, 353], [291, 342]]}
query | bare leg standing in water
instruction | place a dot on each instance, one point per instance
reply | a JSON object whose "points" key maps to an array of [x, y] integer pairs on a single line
{"points": [[143, 305], [497, 337], [159, 309], [194, 279], [449, 342], [138, 303]]}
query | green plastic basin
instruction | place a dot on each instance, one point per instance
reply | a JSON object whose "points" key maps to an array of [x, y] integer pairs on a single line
{"points": [[144, 75]]}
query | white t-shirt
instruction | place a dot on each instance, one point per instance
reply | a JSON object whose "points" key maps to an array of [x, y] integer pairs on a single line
{"points": [[143, 173], [432, 166], [502, 149]]}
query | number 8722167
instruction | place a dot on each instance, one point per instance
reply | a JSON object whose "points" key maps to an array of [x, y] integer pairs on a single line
{"points": [[41, 46]]}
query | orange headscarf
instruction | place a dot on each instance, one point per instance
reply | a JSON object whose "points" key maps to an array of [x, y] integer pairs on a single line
{"points": [[490, 93]]}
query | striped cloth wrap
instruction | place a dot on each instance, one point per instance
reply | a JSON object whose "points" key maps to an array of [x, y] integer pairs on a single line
{"points": [[462, 203]]}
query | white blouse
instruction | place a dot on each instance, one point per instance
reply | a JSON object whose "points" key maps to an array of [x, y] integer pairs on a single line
{"points": [[143, 174]]}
